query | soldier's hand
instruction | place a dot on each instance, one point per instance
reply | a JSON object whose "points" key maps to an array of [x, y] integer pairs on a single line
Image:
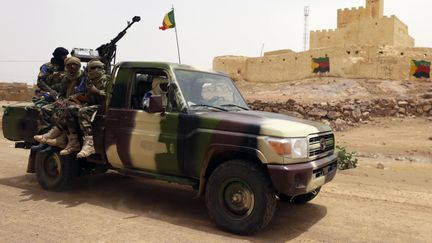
{"points": [[102, 93], [53, 94]]}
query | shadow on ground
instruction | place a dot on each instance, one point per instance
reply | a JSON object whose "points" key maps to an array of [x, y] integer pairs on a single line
{"points": [[171, 203]]}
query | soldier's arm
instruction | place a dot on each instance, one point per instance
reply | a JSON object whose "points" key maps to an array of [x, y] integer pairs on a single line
{"points": [[44, 72]]}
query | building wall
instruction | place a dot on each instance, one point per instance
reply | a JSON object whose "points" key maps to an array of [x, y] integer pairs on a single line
{"points": [[366, 62], [383, 31]]}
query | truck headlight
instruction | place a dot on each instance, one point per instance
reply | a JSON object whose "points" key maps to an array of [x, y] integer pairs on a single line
{"points": [[294, 148]]}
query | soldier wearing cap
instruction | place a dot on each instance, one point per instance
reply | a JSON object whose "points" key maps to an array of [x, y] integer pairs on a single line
{"points": [[51, 72]]}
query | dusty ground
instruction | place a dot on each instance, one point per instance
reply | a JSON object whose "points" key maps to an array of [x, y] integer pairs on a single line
{"points": [[365, 204]]}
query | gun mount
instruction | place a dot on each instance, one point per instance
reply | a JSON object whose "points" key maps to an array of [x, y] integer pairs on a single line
{"points": [[107, 52]]}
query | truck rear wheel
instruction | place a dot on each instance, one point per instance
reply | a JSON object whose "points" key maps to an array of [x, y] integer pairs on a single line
{"points": [[240, 197], [55, 172], [299, 199]]}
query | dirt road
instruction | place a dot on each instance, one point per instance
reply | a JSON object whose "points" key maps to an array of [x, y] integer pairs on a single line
{"points": [[367, 204]]}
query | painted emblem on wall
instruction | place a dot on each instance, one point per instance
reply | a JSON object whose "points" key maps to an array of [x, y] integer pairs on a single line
{"points": [[420, 69], [321, 65]]}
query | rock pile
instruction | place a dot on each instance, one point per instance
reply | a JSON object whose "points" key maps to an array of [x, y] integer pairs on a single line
{"points": [[343, 114]]}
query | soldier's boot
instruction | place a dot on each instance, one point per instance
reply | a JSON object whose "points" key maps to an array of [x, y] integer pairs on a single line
{"points": [[60, 141], [73, 145], [88, 147], [53, 133]]}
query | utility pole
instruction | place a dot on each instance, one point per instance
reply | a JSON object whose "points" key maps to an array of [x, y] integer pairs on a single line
{"points": [[306, 29]]}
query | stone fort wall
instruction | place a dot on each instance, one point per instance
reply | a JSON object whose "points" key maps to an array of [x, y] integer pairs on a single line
{"points": [[366, 44], [385, 31], [354, 61]]}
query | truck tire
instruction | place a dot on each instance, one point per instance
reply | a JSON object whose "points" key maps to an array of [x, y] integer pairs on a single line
{"points": [[55, 172], [299, 199], [240, 197]]}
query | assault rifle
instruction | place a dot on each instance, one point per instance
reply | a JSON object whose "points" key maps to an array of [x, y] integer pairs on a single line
{"points": [[107, 52]]}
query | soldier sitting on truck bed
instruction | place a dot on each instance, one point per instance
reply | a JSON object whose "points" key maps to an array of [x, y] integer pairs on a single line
{"points": [[80, 110], [52, 72], [54, 112], [96, 96]]}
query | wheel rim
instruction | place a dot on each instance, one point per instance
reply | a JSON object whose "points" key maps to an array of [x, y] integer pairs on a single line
{"points": [[52, 166], [238, 198]]}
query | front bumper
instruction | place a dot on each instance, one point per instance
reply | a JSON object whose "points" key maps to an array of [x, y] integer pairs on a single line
{"points": [[301, 178]]}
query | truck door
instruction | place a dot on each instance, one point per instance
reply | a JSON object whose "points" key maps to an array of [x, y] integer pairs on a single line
{"points": [[135, 138]]}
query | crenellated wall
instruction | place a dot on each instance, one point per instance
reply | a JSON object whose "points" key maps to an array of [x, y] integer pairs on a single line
{"points": [[366, 45], [363, 26], [385, 31]]}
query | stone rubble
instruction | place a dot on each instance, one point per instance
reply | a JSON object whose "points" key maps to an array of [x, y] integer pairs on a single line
{"points": [[343, 114]]}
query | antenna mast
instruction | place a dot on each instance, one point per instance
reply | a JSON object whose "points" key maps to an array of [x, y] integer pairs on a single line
{"points": [[306, 29]]}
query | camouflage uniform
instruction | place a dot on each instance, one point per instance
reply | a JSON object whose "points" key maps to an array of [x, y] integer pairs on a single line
{"points": [[55, 113], [85, 110], [51, 73]]}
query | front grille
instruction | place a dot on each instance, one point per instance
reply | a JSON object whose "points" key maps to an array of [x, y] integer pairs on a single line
{"points": [[321, 145]]}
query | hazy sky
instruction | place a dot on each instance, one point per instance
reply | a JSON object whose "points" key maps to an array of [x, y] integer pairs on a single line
{"points": [[32, 29]]}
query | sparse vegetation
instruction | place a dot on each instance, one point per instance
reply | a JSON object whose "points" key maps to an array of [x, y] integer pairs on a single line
{"points": [[346, 160]]}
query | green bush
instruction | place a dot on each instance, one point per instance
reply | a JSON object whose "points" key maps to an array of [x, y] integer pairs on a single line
{"points": [[346, 160]]}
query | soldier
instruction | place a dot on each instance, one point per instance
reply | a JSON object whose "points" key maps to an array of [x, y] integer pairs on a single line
{"points": [[96, 96], [54, 113], [159, 87], [51, 72]]}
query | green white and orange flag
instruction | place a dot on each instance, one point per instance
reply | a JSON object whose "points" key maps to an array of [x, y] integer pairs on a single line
{"points": [[168, 21]]}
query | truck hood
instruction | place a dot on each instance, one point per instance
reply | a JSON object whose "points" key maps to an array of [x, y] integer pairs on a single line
{"points": [[261, 123]]}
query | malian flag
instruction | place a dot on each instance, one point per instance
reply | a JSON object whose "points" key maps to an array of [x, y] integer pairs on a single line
{"points": [[420, 69], [168, 22], [320, 65]]}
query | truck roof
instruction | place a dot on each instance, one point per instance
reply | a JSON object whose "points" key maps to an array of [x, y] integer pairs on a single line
{"points": [[165, 65]]}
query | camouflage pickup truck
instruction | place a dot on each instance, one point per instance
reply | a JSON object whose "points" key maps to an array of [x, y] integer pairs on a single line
{"points": [[201, 133]]}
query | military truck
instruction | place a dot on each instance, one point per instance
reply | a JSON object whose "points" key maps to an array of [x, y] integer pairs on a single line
{"points": [[200, 133]]}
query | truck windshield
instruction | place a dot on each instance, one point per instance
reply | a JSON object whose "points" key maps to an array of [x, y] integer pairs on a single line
{"points": [[209, 91]]}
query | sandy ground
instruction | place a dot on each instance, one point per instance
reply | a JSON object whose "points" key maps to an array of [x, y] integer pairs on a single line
{"points": [[366, 204]]}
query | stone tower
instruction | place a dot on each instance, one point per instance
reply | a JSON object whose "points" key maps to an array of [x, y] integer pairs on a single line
{"points": [[375, 8]]}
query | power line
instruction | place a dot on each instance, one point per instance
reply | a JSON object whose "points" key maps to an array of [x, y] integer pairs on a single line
{"points": [[14, 61]]}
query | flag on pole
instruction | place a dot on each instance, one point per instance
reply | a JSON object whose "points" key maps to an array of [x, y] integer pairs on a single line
{"points": [[168, 22]]}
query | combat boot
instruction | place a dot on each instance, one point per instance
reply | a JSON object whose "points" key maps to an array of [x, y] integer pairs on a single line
{"points": [[60, 141], [88, 147], [73, 145], [53, 133]]}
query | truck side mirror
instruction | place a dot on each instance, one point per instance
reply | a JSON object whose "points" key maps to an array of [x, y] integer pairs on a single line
{"points": [[155, 104]]}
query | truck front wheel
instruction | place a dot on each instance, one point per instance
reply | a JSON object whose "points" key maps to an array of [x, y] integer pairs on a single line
{"points": [[299, 199], [55, 172], [240, 197]]}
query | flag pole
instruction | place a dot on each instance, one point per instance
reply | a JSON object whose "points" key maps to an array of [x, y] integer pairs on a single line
{"points": [[175, 28]]}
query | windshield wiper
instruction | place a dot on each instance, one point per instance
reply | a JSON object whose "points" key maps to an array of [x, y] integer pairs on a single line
{"points": [[234, 105], [209, 106]]}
